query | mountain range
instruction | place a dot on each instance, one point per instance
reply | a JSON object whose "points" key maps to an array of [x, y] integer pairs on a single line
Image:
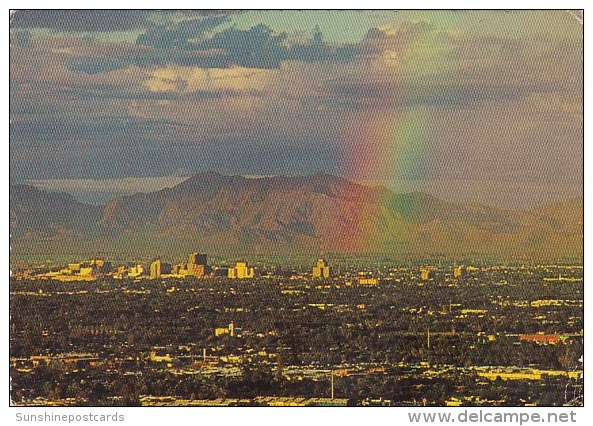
{"points": [[309, 214]]}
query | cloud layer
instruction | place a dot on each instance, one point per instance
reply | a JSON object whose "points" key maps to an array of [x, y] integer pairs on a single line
{"points": [[116, 94]]}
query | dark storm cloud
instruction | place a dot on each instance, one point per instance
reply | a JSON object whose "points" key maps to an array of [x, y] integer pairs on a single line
{"points": [[185, 44], [261, 47], [80, 20], [257, 47], [196, 42], [181, 34]]}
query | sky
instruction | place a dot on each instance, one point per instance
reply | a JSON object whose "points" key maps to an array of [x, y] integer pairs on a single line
{"points": [[471, 106]]}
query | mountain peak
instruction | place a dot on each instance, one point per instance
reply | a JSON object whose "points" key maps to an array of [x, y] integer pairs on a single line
{"points": [[292, 213]]}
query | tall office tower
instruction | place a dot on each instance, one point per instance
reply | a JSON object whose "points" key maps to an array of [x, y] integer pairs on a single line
{"points": [[155, 269], [197, 264], [321, 269]]}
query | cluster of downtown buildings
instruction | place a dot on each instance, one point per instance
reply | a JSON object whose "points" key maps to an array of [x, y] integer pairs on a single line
{"points": [[196, 266]]}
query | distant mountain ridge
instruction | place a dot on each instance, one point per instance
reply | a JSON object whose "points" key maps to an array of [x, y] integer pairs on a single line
{"points": [[280, 214]]}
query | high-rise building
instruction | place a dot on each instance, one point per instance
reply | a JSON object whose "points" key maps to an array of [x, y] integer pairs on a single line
{"points": [[197, 264], [155, 269], [321, 269], [197, 259], [241, 270], [158, 268]]}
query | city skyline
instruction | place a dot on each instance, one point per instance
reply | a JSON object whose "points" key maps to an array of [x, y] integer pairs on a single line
{"points": [[470, 106]]}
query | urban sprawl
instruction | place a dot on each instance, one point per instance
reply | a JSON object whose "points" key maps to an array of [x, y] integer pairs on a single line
{"points": [[97, 333]]}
